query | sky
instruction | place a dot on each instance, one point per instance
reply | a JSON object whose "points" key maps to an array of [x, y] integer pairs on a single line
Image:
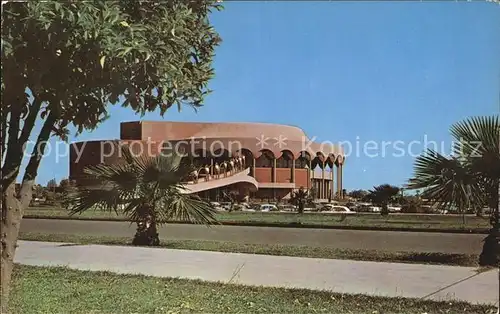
{"points": [[348, 72]]}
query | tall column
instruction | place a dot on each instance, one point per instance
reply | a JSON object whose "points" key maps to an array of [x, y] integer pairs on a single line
{"points": [[313, 184], [322, 185], [253, 166], [274, 178], [211, 166], [293, 170], [332, 185], [327, 188], [308, 183], [339, 186], [274, 170], [341, 181]]}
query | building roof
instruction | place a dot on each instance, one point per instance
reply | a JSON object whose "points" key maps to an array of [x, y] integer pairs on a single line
{"points": [[232, 136]]}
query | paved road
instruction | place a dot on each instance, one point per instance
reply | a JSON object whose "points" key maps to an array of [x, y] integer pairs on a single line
{"points": [[349, 239], [383, 279]]}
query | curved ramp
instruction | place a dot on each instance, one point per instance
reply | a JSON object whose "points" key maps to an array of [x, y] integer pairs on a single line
{"points": [[240, 177]]}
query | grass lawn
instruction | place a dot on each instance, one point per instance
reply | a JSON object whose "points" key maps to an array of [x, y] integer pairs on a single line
{"points": [[411, 221], [61, 290], [280, 250]]}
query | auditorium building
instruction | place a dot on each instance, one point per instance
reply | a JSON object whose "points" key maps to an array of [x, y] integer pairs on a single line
{"points": [[258, 160]]}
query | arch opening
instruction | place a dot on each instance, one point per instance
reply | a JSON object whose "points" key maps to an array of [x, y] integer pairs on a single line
{"points": [[286, 159], [265, 160]]}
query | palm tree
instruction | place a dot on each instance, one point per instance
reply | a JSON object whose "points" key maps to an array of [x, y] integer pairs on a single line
{"points": [[148, 190], [299, 199], [468, 179], [382, 195], [358, 194]]}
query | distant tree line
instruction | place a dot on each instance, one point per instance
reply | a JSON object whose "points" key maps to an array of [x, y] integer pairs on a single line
{"points": [[52, 194]]}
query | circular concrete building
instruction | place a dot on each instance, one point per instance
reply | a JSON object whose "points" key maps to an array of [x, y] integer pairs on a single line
{"points": [[265, 161]]}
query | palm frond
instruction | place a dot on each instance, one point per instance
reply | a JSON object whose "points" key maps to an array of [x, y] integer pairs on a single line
{"points": [[98, 198], [477, 136], [382, 194], [144, 186], [433, 168], [186, 207], [132, 211], [446, 181], [164, 171], [120, 174]]}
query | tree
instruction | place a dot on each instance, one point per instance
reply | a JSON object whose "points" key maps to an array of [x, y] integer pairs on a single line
{"points": [[67, 62], [468, 179], [53, 198], [410, 204], [67, 189], [64, 184], [148, 190], [232, 197], [382, 195], [358, 194], [51, 184], [313, 194], [38, 191], [299, 198]]}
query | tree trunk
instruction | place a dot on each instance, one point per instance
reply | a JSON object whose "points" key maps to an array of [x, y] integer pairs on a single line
{"points": [[12, 152], [301, 208], [479, 212], [385, 210], [463, 217], [490, 255], [11, 213], [147, 233]]}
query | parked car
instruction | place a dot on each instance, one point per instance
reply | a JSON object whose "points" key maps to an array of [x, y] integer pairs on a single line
{"points": [[362, 207], [326, 207], [268, 208], [342, 209], [285, 208], [394, 209], [332, 208], [226, 205], [246, 207]]}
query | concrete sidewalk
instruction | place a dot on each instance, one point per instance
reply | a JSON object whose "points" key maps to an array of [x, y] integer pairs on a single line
{"points": [[382, 279]]}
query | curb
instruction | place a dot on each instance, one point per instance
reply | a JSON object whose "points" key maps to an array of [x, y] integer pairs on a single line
{"points": [[282, 225]]}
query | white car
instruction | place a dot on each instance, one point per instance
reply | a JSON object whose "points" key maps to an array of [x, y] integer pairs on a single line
{"points": [[326, 207], [330, 208], [226, 205], [246, 207], [268, 208], [288, 208], [342, 209], [394, 209], [217, 206]]}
